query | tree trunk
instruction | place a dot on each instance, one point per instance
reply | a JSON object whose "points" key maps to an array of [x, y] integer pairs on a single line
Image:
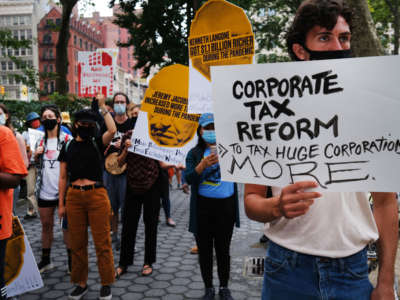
{"points": [[396, 25], [364, 41], [62, 47]]}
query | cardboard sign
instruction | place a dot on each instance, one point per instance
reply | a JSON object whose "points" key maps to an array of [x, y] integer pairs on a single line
{"points": [[96, 73], [21, 272], [220, 34], [34, 137], [335, 122], [164, 130]]}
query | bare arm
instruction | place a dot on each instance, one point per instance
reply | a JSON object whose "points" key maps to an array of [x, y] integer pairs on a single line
{"points": [[291, 203], [386, 218], [22, 149], [62, 188], [108, 120], [9, 181]]}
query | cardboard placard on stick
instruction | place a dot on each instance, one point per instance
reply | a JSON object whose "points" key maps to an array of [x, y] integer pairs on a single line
{"points": [[220, 34]]}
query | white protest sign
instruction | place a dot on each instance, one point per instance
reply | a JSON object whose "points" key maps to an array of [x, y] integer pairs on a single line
{"points": [[164, 130], [21, 271], [220, 34], [333, 121], [34, 136], [96, 73]]}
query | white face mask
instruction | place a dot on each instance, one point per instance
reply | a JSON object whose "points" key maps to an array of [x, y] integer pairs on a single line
{"points": [[2, 119]]}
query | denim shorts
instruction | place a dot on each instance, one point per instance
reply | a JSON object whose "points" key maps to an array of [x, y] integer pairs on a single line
{"points": [[291, 275], [116, 189]]}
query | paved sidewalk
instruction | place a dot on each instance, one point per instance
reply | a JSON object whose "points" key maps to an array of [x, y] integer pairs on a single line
{"points": [[176, 274]]}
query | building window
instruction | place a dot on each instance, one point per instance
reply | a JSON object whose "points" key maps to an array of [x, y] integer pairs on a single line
{"points": [[29, 51], [47, 38], [22, 34], [5, 79], [86, 46], [76, 87], [58, 22], [91, 47], [75, 40], [9, 20], [10, 65], [45, 68], [21, 20], [80, 43], [46, 87], [11, 80], [23, 51], [16, 52], [51, 68], [51, 53], [67, 86], [28, 19], [51, 87], [15, 34], [3, 66], [15, 20]]}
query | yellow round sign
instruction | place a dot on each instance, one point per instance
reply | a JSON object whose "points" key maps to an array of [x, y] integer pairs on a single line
{"points": [[220, 34], [166, 102]]}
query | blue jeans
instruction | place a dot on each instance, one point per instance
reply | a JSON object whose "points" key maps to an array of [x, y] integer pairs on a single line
{"points": [[116, 189], [291, 275]]}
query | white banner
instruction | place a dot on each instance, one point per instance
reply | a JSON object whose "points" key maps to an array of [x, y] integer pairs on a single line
{"points": [[34, 136], [96, 73], [333, 121]]}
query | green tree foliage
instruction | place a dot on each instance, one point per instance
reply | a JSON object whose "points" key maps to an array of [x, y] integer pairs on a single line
{"points": [[19, 109], [386, 16], [159, 29]]}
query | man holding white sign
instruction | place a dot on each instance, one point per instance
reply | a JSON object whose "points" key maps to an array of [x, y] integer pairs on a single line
{"points": [[318, 240]]}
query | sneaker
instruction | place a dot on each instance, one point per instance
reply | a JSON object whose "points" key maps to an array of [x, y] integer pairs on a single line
{"points": [[44, 266], [78, 293], [209, 295], [170, 222], [105, 293], [30, 216], [225, 294]]}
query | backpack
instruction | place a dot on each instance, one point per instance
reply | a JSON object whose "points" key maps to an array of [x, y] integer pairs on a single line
{"points": [[141, 172]]}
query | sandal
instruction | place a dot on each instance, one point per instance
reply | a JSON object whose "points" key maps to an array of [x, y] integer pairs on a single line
{"points": [[122, 271], [147, 270]]}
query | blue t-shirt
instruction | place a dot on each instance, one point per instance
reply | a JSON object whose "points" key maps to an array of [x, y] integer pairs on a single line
{"points": [[212, 186]]}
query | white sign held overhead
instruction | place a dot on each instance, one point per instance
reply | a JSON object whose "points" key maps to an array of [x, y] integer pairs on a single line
{"points": [[333, 121]]}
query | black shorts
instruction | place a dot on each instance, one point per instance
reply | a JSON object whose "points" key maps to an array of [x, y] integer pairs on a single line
{"points": [[47, 203]]}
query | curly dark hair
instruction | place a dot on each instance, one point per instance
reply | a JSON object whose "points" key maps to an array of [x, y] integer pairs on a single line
{"points": [[311, 13]]}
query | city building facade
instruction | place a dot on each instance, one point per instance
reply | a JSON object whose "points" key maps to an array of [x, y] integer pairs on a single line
{"points": [[21, 18]]}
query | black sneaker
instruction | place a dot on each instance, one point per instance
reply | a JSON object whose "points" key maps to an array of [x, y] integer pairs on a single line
{"points": [[105, 293], [78, 293], [225, 294], [32, 216], [209, 295], [44, 266]]}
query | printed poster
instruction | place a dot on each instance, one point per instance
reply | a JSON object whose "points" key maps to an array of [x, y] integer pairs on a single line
{"points": [[96, 71], [164, 130], [220, 34], [20, 272], [334, 121]]}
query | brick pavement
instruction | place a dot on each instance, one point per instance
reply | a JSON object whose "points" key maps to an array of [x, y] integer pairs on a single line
{"points": [[176, 273]]}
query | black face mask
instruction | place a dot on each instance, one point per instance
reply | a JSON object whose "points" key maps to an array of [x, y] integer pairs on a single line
{"points": [[320, 55], [49, 124], [85, 132]]}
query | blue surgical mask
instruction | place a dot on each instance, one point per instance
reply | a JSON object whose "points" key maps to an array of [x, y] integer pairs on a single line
{"points": [[2, 119], [209, 136], [119, 108]]}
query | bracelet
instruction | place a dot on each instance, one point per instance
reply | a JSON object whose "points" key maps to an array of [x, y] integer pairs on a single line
{"points": [[104, 112]]}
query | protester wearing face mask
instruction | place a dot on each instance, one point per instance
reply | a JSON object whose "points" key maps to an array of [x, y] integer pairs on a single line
{"points": [[5, 120], [214, 208], [33, 122], [48, 171], [86, 202], [116, 183]]}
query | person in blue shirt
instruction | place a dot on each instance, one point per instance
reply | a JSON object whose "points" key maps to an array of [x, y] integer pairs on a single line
{"points": [[214, 208]]}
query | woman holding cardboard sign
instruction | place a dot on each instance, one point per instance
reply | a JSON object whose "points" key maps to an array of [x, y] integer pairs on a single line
{"points": [[210, 196]]}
